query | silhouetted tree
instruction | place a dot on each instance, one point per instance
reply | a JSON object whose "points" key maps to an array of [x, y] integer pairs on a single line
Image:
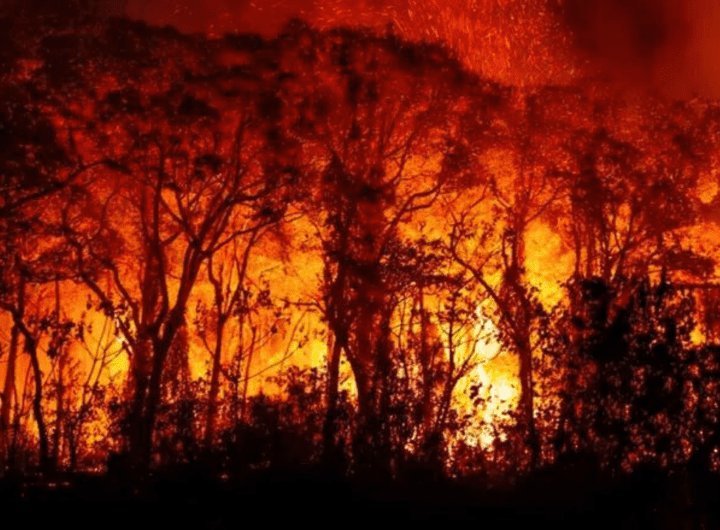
{"points": [[488, 235], [634, 386], [35, 169], [190, 176], [380, 121]]}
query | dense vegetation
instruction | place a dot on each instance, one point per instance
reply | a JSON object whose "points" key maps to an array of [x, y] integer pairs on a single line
{"points": [[152, 185]]}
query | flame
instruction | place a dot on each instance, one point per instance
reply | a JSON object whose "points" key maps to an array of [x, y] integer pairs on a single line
{"points": [[292, 332], [489, 392], [548, 262]]}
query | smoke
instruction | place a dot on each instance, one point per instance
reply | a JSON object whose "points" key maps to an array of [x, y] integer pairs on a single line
{"points": [[507, 40], [672, 45], [219, 16]]}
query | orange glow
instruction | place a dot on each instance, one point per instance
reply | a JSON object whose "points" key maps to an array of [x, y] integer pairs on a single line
{"points": [[230, 207]]}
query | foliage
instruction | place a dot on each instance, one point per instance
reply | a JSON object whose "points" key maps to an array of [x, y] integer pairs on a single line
{"points": [[631, 385], [174, 182]]}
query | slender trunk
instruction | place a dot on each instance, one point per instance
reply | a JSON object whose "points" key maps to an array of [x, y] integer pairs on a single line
{"points": [[160, 348], [527, 400], [60, 412], [365, 428], [590, 257], [214, 383], [449, 383], [427, 366], [523, 321], [31, 348], [247, 374], [19, 424], [7, 397], [151, 405], [329, 425], [385, 382], [577, 241], [72, 449], [59, 392], [527, 391], [238, 369], [135, 421], [336, 313], [371, 366]]}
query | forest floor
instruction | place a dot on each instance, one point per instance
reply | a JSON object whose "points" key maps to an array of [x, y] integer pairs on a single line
{"points": [[196, 500]]}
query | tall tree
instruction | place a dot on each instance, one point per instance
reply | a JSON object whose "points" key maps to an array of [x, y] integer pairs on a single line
{"points": [[488, 235], [381, 126], [35, 169], [193, 180]]}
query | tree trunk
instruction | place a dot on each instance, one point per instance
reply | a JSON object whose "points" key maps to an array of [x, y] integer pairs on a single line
{"points": [[371, 366], [149, 406], [214, 383], [522, 309], [135, 419], [31, 348], [330, 423], [60, 411], [59, 391], [153, 401], [427, 364], [383, 414], [7, 396], [243, 410], [527, 405]]}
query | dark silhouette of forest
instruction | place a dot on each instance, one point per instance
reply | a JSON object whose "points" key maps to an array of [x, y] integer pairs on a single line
{"points": [[146, 176]]}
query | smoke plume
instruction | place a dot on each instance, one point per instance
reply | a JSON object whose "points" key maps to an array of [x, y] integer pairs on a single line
{"points": [[672, 45]]}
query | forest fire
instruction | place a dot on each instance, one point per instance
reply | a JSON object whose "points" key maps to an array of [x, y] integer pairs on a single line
{"points": [[412, 243]]}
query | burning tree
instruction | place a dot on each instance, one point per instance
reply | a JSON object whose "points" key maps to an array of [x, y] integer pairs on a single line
{"points": [[38, 171], [140, 163], [23, 183], [488, 235], [381, 124], [635, 390], [193, 180]]}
